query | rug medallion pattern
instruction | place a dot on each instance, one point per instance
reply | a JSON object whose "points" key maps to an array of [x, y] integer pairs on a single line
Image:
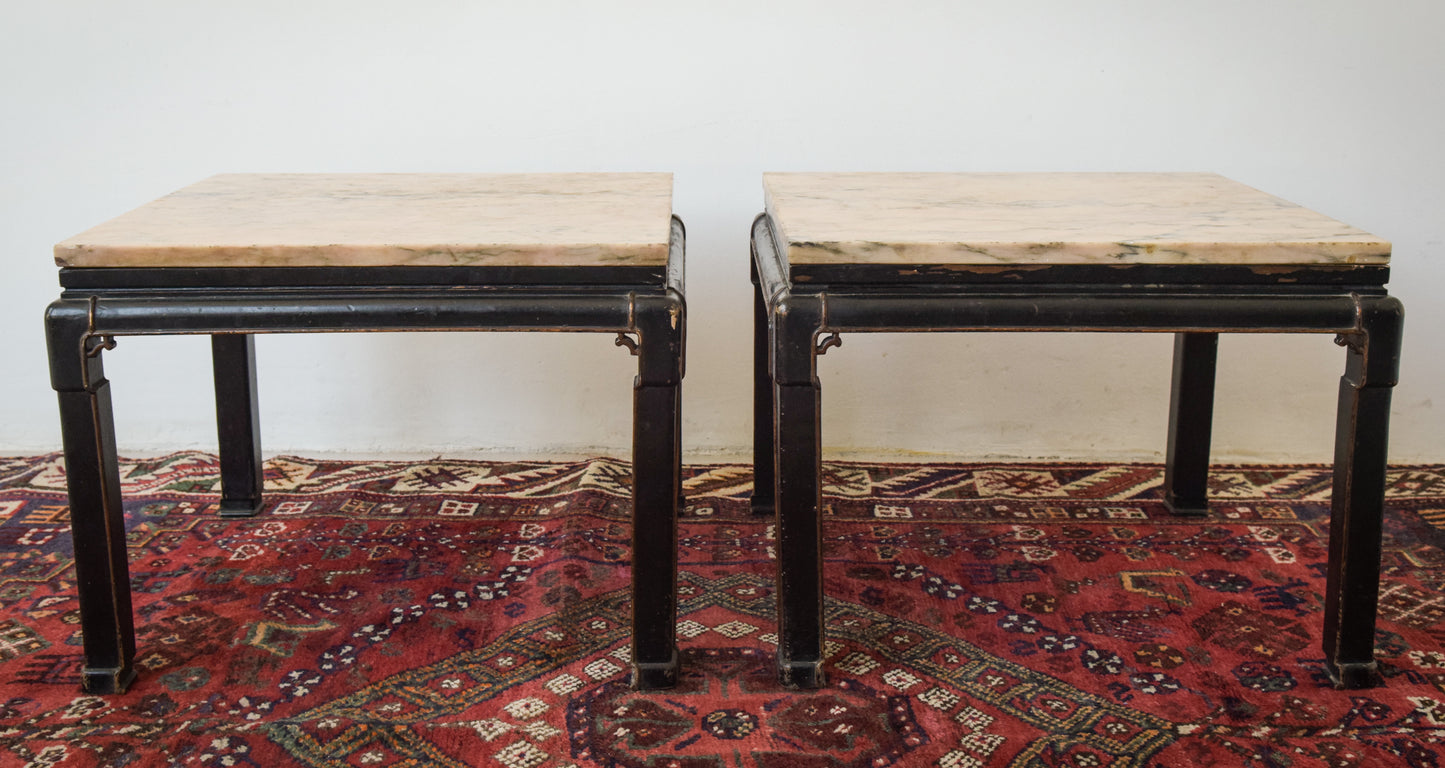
{"points": [[459, 613]]}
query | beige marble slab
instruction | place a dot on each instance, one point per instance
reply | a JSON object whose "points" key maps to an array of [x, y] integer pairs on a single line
{"points": [[1052, 218], [316, 220]]}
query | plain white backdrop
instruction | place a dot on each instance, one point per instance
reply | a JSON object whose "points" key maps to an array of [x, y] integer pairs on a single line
{"points": [[1336, 105]]}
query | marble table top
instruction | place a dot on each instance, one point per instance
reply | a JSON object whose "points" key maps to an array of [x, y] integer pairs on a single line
{"points": [[318, 220], [1051, 218]]}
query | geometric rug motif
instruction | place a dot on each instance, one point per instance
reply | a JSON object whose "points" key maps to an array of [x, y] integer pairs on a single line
{"points": [[457, 613]]}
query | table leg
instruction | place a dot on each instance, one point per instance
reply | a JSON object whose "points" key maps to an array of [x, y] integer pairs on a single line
{"points": [[677, 443], [763, 459], [797, 492], [656, 488], [1191, 413], [1358, 496], [97, 520], [233, 360]]}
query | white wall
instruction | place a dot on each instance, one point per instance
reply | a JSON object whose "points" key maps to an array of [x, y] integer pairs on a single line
{"points": [[1334, 104]]}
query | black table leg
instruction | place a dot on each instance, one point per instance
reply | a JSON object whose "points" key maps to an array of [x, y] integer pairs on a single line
{"points": [[656, 488], [797, 492], [238, 423], [677, 442], [97, 520], [1191, 413], [763, 459], [1357, 503]]}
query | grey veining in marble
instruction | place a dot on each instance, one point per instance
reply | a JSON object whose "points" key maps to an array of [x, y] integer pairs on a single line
{"points": [[403, 219], [1052, 218]]}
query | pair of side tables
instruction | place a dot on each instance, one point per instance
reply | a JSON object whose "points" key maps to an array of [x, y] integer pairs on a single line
{"points": [[1190, 254]]}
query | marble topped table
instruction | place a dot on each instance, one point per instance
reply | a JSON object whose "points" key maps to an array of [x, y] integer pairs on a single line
{"points": [[1186, 253], [243, 254]]}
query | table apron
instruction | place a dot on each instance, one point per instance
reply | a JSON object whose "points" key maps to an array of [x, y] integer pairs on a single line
{"points": [[370, 311], [1093, 311]]}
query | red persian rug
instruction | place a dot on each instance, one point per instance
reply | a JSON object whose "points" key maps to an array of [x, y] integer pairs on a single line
{"points": [[458, 613]]}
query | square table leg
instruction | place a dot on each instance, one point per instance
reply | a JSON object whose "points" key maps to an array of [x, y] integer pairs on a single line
{"points": [[763, 458], [238, 423], [1191, 412], [656, 489], [97, 520], [1357, 502], [797, 491]]}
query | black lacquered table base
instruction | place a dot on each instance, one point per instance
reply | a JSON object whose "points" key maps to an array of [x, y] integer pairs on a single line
{"points": [[644, 306], [800, 309]]}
